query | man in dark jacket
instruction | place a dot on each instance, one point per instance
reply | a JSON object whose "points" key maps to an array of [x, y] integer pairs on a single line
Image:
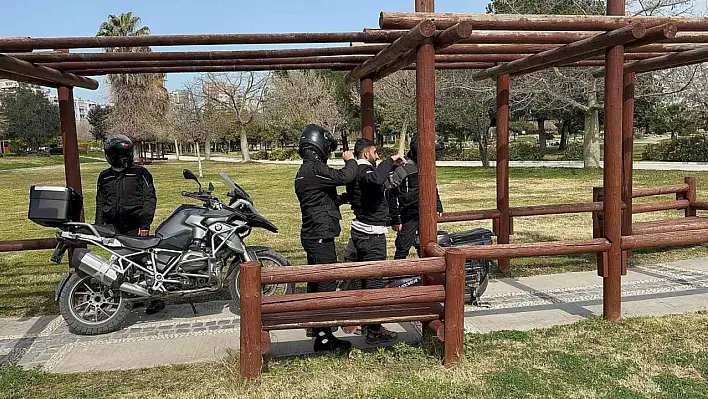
{"points": [[403, 201], [125, 195], [316, 190], [368, 234]]}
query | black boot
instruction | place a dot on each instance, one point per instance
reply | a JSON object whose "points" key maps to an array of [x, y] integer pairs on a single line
{"points": [[326, 342]]}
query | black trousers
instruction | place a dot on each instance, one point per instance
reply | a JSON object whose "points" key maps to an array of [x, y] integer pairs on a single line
{"points": [[370, 247], [320, 252], [407, 238]]}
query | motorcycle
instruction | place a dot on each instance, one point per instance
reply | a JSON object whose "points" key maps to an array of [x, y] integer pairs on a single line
{"points": [[196, 251]]}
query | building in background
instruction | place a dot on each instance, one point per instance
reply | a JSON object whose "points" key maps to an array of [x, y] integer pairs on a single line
{"points": [[81, 106]]}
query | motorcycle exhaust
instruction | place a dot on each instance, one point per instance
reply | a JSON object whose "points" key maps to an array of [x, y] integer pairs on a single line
{"points": [[99, 268]]}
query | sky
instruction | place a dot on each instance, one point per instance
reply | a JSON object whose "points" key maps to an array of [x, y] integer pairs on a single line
{"points": [[43, 18]]}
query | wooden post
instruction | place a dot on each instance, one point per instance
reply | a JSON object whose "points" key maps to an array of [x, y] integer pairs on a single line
{"points": [[454, 306], [690, 195], [503, 166], [627, 160], [425, 112], [598, 233], [614, 67], [366, 91], [251, 323]]}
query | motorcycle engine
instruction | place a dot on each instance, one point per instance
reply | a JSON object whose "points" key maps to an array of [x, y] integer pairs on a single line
{"points": [[194, 266]]}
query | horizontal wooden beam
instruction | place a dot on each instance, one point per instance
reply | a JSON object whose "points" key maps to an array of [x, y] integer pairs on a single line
{"points": [[661, 206], [675, 60], [233, 68], [352, 271], [404, 20], [353, 317], [36, 73], [352, 299], [673, 238], [75, 66], [568, 52], [28, 245], [35, 43], [509, 251], [423, 30], [47, 56], [444, 39]]}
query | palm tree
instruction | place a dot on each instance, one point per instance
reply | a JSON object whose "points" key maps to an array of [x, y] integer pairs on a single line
{"points": [[141, 99]]}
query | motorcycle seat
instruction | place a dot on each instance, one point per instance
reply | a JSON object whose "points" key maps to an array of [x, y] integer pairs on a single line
{"points": [[139, 242]]}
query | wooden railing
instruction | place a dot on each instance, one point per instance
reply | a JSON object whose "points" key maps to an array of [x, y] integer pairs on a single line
{"points": [[439, 307]]}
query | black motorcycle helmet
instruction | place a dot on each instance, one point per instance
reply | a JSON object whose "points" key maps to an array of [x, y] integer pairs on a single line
{"points": [[413, 151], [317, 139], [119, 151]]}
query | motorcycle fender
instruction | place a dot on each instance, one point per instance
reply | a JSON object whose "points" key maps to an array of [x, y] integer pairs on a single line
{"points": [[257, 249], [60, 287], [235, 244]]}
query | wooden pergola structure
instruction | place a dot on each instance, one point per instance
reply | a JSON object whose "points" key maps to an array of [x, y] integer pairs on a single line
{"points": [[499, 46]]}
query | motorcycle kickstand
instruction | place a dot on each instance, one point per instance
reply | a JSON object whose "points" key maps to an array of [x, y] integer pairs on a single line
{"points": [[194, 309]]}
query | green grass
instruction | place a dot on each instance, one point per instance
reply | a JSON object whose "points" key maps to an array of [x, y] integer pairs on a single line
{"points": [[637, 358], [10, 163], [28, 280]]}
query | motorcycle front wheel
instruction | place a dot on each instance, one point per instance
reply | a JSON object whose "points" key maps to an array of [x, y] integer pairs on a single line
{"points": [[91, 308], [267, 258]]}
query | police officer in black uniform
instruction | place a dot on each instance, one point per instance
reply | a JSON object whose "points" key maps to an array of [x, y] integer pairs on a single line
{"points": [[316, 190], [403, 200], [125, 196]]}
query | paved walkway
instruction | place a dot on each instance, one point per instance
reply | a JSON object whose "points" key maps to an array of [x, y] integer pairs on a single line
{"points": [[178, 336], [638, 165]]}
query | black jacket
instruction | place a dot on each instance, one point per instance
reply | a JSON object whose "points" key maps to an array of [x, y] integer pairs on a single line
{"points": [[316, 190], [403, 199], [126, 199], [367, 193]]}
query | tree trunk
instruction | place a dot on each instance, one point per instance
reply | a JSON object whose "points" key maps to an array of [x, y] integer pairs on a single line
{"points": [[244, 148], [207, 150], [591, 141], [483, 145], [199, 160], [402, 139], [564, 136], [177, 149], [345, 141], [542, 133]]}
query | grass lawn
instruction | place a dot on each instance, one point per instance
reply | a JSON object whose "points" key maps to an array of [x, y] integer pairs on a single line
{"points": [[9, 163], [28, 280], [664, 357]]}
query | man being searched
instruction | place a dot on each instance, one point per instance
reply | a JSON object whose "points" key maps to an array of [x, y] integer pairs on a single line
{"points": [[125, 196], [316, 188], [368, 233], [404, 203]]}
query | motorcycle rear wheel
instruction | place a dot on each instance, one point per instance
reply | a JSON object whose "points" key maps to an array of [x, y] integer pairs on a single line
{"points": [[267, 258], [91, 308]]}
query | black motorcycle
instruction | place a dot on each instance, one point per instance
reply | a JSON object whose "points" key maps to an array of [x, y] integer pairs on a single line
{"points": [[195, 251]]}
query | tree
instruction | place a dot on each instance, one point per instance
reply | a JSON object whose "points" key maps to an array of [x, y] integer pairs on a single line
{"points": [[28, 115], [240, 94], [141, 100], [297, 98], [394, 104], [465, 115], [98, 119]]}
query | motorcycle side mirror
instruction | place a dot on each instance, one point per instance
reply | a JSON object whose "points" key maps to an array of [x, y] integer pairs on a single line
{"points": [[211, 187], [189, 175]]}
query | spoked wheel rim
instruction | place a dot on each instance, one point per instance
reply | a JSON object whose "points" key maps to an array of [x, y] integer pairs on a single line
{"points": [[94, 303]]}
